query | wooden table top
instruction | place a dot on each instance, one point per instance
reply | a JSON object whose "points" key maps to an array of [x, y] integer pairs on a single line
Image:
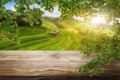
{"points": [[46, 63]]}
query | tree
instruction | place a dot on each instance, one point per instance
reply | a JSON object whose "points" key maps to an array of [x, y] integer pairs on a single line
{"points": [[106, 47]]}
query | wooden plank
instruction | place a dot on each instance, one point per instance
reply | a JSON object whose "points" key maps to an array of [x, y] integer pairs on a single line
{"points": [[43, 63], [42, 55]]}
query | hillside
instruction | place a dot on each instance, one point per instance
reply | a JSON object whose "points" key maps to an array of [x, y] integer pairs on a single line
{"points": [[41, 38]]}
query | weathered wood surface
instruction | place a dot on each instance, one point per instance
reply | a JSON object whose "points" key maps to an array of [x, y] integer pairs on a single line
{"points": [[45, 63]]}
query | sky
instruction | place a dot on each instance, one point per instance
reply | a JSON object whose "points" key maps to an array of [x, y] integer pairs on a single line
{"points": [[55, 13]]}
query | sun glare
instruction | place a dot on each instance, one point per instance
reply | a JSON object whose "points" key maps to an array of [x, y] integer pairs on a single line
{"points": [[98, 20]]}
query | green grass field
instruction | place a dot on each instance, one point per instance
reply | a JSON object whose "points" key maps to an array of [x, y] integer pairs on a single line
{"points": [[40, 38]]}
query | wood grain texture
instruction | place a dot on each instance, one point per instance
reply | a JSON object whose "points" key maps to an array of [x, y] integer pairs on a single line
{"points": [[46, 63]]}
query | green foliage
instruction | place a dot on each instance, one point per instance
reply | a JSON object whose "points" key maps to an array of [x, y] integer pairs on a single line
{"points": [[105, 47], [118, 64], [8, 27]]}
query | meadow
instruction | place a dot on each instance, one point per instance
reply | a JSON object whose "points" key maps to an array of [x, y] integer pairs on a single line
{"points": [[41, 37]]}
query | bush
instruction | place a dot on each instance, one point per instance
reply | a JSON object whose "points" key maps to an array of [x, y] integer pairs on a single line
{"points": [[22, 21]]}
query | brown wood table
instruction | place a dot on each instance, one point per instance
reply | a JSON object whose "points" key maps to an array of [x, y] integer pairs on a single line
{"points": [[46, 64]]}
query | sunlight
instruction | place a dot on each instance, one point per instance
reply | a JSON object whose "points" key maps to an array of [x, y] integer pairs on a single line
{"points": [[98, 20]]}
